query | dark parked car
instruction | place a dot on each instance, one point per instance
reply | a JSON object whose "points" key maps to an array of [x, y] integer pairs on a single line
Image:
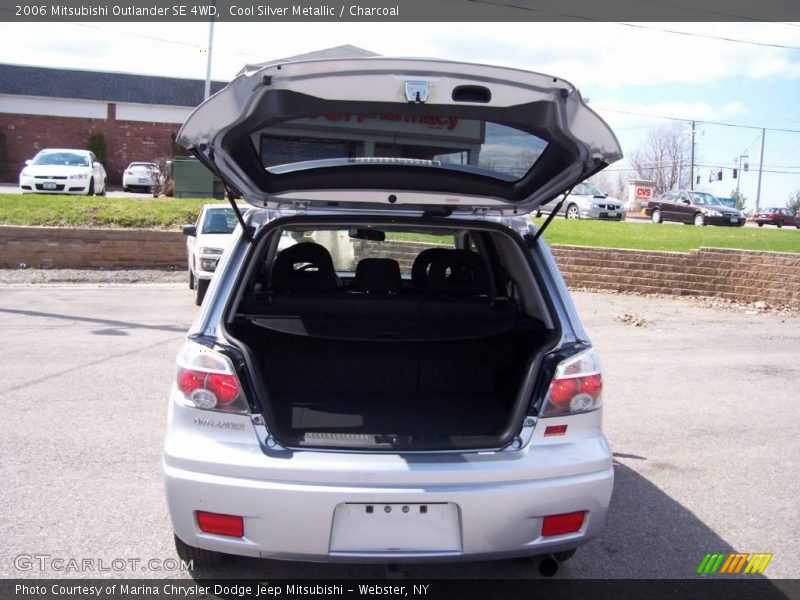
{"points": [[690, 207], [776, 216]]}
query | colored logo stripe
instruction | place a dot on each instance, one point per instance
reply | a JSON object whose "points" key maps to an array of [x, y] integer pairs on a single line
{"points": [[733, 563]]}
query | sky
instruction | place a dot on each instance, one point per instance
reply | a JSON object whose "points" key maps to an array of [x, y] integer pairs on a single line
{"points": [[651, 69]]}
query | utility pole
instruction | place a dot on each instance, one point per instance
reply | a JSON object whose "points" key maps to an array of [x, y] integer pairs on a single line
{"points": [[207, 91], [691, 169], [760, 170]]}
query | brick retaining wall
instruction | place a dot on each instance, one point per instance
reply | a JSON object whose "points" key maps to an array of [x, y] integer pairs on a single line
{"points": [[55, 247], [772, 277]]}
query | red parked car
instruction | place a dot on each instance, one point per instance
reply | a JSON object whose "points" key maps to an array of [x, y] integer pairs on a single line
{"points": [[776, 216]]}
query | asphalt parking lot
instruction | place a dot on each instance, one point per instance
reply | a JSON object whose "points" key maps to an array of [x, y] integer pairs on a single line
{"points": [[701, 410]]}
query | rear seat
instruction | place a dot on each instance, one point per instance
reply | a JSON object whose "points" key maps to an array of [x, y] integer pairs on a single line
{"points": [[451, 300]]}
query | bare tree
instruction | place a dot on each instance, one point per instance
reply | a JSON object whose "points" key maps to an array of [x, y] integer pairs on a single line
{"points": [[613, 184], [664, 157]]}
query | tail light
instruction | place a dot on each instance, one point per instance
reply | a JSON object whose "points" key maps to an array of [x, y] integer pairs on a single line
{"points": [[128, 172], [206, 379], [576, 387]]}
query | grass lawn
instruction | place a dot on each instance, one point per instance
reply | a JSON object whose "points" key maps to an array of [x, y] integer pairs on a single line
{"points": [[98, 211], [172, 213], [671, 237]]}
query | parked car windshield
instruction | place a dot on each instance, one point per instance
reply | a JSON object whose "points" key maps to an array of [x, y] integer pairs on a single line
{"points": [[446, 142], [219, 220], [148, 166], [703, 198], [67, 159], [587, 189]]}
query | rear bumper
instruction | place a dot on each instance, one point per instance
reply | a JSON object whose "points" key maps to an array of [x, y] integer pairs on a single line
{"points": [[294, 521], [288, 502]]}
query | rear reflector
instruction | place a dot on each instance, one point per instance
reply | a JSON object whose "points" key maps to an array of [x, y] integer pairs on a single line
{"points": [[560, 524], [555, 430], [230, 525]]}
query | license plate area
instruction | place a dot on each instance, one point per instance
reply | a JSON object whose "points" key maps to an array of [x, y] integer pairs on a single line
{"points": [[48, 185], [394, 527], [734, 219]]}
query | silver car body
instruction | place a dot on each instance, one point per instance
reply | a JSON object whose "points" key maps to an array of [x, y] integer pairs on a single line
{"points": [[296, 503]]}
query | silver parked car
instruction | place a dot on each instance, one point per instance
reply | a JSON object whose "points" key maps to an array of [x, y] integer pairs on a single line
{"points": [[587, 202], [346, 396]]}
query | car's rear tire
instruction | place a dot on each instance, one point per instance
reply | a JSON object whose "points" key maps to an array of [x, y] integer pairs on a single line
{"points": [[126, 189], [760, 224], [655, 216], [191, 279], [699, 219], [779, 224], [573, 212], [90, 191], [198, 556], [200, 288]]}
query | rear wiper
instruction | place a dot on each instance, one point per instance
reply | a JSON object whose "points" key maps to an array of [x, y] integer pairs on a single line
{"points": [[551, 216], [229, 190]]}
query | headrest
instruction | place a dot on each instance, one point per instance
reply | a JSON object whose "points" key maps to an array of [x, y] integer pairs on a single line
{"points": [[419, 270], [378, 275], [459, 272], [304, 266]]}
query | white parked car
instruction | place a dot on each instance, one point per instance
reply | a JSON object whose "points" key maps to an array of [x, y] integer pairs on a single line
{"points": [[206, 241], [139, 176], [346, 397], [63, 171]]}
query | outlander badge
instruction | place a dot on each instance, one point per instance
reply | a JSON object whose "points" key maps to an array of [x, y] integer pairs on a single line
{"points": [[417, 91]]}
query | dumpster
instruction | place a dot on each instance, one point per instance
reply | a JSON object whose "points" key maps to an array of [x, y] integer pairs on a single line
{"points": [[194, 180]]}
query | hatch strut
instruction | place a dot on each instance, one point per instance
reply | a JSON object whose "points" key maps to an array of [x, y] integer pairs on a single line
{"points": [[228, 190], [551, 216]]}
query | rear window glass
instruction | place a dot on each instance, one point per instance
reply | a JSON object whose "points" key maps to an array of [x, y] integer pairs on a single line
{"points": [[453, 143]]}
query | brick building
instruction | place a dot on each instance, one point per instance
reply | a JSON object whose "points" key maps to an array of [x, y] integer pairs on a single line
{"points": [[138, 115], [62, 108]]}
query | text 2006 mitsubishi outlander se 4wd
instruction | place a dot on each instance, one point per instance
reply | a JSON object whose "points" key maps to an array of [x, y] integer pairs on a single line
{"points": [[387, 366]]}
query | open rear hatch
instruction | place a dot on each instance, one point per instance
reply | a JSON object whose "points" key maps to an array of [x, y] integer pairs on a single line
{"points": [[399, 134]]}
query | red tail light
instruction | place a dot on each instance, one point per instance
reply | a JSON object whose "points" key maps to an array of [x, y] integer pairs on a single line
{"points": [[576, 387], [230, 525], [561, 524], [224, 388], [206, 380]]}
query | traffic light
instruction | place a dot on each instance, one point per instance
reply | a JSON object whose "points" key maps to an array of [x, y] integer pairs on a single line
{"points": [[735, 173]]}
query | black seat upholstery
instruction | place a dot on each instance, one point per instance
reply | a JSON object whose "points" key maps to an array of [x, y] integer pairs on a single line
{"points": [[304, 266], [419, 270], [459, 272], [378, 276]]}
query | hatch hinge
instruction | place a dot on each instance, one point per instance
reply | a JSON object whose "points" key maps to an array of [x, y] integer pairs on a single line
{"points": [[480, 212]]}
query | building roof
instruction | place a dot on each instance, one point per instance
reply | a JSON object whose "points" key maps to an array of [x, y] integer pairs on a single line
{"points": [[345, 51], [21, 80]]}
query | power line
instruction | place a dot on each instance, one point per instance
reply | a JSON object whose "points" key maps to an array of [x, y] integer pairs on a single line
{"points": [[578, 17], [668, 118], [710, 37]]}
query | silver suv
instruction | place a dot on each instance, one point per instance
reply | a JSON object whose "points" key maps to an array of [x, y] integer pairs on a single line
{"points": [[387, 366]]}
